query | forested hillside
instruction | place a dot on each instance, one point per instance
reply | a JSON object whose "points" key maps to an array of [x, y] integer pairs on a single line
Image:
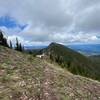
{"points": [[73, 61]]}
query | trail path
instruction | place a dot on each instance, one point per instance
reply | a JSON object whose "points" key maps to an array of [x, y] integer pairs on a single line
{"points": [[48, 88]]}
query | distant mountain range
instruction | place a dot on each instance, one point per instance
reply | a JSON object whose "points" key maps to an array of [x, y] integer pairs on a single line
{"points": [[86, 49]]}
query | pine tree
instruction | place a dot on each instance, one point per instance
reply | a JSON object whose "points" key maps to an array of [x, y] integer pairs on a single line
{"points": [[3, 41], [11, 44], [18, 46], [1, 36]]}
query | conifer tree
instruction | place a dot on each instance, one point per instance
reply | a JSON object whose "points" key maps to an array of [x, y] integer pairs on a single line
{"points": [[18, 46], [11, 44], [1, 36], [3, 40]]}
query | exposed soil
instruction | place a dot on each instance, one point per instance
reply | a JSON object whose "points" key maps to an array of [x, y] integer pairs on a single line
{"points": [[48, 88]]}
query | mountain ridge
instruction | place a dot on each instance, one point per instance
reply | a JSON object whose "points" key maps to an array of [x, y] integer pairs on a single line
{"points": [[74, 61]]}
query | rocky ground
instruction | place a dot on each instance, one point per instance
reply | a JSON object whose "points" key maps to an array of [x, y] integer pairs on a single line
{"points": [[23, 77]]}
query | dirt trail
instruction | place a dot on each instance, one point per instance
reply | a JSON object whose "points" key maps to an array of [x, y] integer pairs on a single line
{"points": [[48, 88]]}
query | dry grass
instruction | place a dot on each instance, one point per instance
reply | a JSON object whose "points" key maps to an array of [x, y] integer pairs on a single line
{"points": [[23, 77]]}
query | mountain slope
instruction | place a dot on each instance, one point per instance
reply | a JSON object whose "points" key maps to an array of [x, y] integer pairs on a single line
{"points": [[96, 59], [72, 60], [23, 77]]}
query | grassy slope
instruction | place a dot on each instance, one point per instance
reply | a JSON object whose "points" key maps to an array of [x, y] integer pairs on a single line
{"points": [[24, 77], [78, 63]]}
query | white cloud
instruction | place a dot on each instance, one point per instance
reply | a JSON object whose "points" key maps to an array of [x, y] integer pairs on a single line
{"points": [[53, 20]]}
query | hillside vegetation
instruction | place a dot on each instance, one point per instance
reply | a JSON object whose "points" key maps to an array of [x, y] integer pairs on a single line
{"points": [[96, 60], [73, 61], [23, 77]]}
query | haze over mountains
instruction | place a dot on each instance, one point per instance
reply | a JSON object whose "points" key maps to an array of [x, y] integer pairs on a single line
{"points": [[86, 49]]}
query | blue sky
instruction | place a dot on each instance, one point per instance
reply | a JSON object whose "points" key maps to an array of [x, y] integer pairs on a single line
{"points": [[9, 22], [39, 22]]}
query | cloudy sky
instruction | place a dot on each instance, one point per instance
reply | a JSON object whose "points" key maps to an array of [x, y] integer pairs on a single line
{"points": [[39, 22]]}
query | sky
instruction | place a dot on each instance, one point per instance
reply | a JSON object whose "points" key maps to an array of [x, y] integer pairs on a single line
{"points": [[40, 22]]}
